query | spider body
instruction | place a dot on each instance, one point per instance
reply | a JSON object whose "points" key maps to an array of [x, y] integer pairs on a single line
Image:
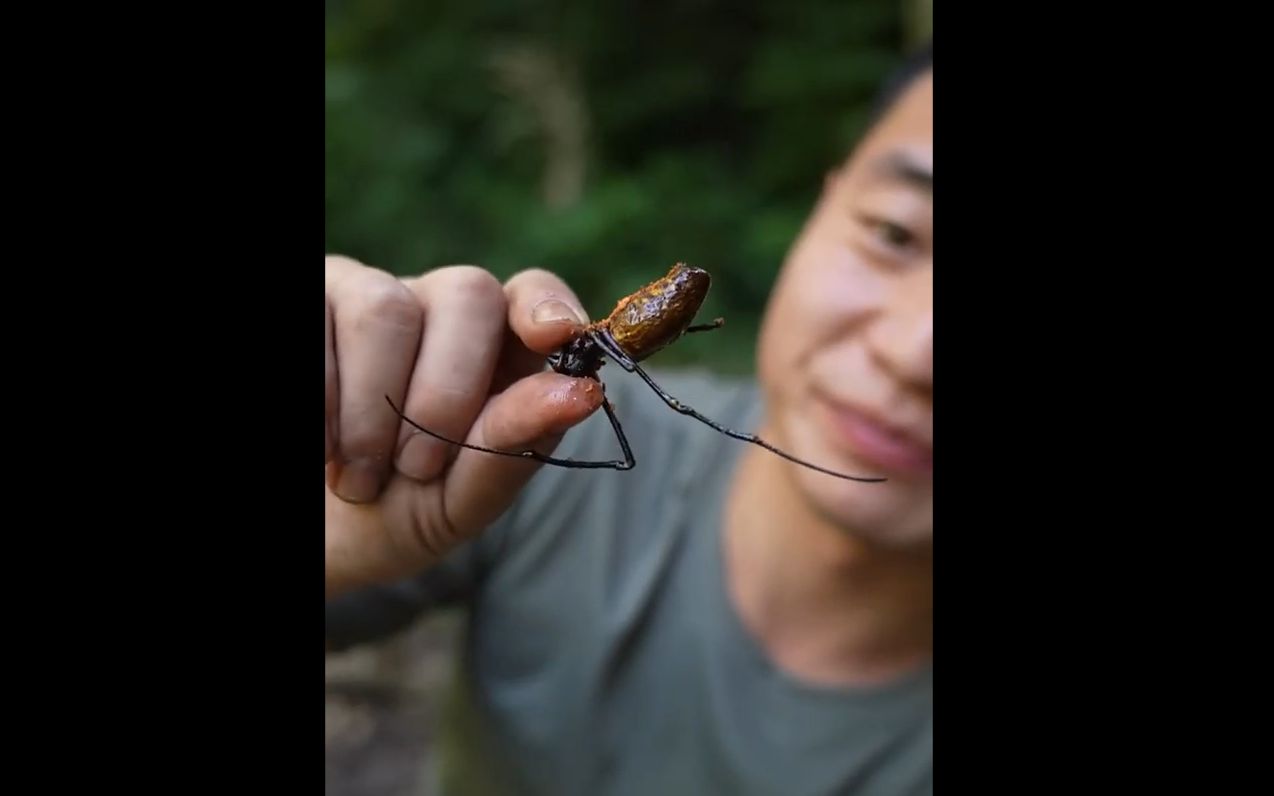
{"points": [[646, 322], [641, 324]]}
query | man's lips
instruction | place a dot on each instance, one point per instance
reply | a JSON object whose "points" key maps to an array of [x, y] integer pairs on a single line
{"points": [[876, 442]]}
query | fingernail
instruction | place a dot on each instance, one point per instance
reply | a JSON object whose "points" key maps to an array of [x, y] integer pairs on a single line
{"points": [[359, 481], [555, 311], [421, 458]]}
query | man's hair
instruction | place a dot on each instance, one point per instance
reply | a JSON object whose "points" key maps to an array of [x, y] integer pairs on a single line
{"points": [[915, 65]]}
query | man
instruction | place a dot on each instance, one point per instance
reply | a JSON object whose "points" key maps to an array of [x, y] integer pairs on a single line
{"points": [[716, 620]]}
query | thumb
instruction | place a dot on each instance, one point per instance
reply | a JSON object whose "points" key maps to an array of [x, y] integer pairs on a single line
{"points": [[532, 414]]}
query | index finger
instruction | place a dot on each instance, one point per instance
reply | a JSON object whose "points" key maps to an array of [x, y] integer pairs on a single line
{"points": [[543, 312]]}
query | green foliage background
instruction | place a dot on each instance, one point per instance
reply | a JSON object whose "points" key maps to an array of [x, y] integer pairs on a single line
{"points": [[602, 141]]}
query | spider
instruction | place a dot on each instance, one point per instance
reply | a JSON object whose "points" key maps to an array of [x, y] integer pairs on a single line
{"points": [[642, 324]]}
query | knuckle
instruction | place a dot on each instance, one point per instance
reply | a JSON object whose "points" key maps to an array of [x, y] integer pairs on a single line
{"points": [[334, 263], [387, 301], [535, 277], [472, 283], [365, 437]]}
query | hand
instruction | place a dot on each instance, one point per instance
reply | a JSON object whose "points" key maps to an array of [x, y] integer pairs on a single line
{"points": [[462, 355]]}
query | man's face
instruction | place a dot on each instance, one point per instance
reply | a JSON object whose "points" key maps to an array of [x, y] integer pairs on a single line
{"points": [[846, 350]]}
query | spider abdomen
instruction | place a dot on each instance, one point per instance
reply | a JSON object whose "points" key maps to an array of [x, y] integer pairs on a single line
{"points": [[656, 315]]}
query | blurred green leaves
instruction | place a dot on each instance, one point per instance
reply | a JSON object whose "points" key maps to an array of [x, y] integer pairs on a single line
{"points": [[602, 141]]}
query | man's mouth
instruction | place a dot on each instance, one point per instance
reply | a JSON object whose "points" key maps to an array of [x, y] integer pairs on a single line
{"points": [[872, 439]]}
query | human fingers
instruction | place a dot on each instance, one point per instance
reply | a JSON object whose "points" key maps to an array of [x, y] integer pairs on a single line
{"points": [[543, 311], [464, 331], [532, 413], [376, 333]]}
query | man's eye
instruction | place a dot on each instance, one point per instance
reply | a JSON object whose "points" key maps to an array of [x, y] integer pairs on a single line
{"points": [[893, 235]]}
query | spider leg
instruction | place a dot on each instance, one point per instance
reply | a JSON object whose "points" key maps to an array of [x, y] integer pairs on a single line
{"points": [[706, 327], [612, 349], [624, 361], [628, 463]]}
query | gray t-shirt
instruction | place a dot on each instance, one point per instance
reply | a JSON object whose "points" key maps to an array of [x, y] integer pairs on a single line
{"points": [[602, 653]]}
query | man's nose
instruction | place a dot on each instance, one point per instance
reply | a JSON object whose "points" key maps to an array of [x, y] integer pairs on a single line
{"points": [[902, 337]]}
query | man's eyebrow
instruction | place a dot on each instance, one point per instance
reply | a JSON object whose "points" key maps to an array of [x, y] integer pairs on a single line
{"points": [[899, 166]]}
